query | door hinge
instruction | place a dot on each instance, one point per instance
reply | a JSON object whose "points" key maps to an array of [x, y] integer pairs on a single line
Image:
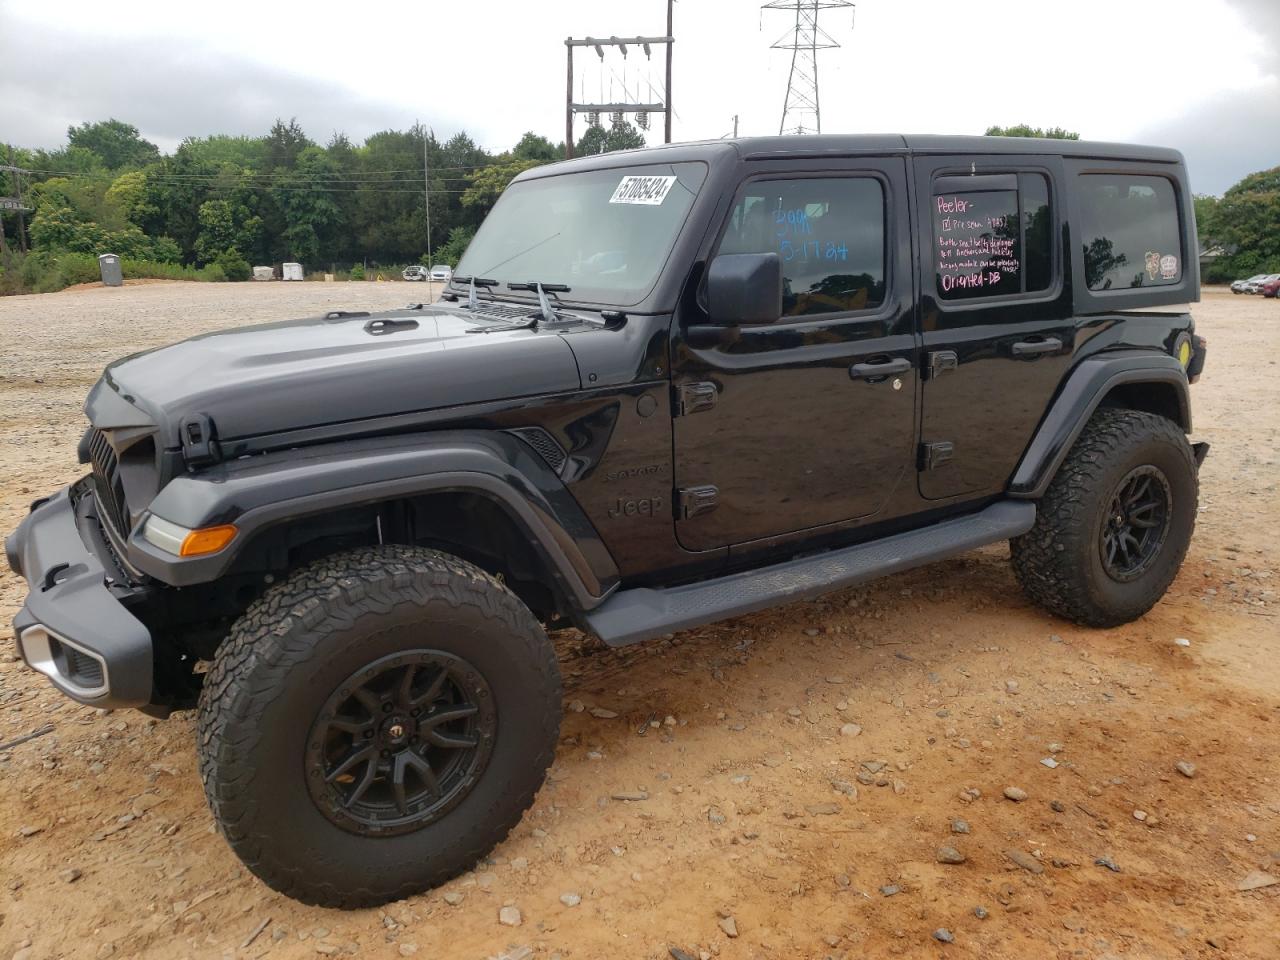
{"points": [[692, 501], [942, 361], [934, 455], [695, 397]]}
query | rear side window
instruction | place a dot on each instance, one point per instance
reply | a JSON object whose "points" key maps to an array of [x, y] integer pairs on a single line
{"points": [[1129, 225], [829, 233], [993, 235]]}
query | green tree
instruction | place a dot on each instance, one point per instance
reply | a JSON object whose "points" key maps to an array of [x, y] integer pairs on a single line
{"points": [[621, 136], [534, 147], [487, 184], [312, 216], [459, 239], [115, 143], [1246, 222], [128, 197], [1023, 130], [284, 144]]}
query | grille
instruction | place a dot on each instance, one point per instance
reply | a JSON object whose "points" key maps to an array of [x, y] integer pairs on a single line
{"points": [[544, 444], [106, 483], [82, 669]]}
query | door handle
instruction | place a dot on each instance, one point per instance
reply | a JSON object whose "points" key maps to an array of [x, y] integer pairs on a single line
{"points": [[876, 371], [1033, 348]]}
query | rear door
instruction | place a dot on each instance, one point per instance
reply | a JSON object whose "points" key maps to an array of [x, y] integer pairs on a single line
{"points": [[995, 313], [809, 421]]}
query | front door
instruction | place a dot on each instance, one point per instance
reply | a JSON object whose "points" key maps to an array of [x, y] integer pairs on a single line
{"points": [[995, 313], [809, 421]]}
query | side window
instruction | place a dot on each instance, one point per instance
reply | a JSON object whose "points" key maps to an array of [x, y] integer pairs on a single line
{"points": [[994, 238], [1130, 229], [829, 233]]}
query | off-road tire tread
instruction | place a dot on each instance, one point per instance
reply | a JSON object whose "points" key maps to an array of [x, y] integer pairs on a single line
{"points": [[279, 631], [1046, 559]]}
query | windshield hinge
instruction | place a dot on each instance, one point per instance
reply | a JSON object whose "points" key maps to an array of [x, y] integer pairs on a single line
{"points": [[695, 397]]}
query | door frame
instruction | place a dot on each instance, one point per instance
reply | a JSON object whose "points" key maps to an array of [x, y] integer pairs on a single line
{"points": [[898, 311]]}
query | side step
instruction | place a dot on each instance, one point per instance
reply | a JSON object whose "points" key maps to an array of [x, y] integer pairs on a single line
{"points": [[630, 616]]}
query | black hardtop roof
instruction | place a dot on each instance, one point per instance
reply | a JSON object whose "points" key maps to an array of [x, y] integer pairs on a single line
{"points": [[835, 145]]}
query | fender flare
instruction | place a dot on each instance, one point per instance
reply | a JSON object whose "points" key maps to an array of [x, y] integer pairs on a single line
{"points": [[1083, 391], [256, 493]]}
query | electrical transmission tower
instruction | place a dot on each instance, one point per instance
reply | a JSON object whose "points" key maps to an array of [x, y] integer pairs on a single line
{"points": [[801, 112]]}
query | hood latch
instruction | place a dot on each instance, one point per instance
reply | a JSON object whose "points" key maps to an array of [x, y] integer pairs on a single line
{"points": [[199, 440]]}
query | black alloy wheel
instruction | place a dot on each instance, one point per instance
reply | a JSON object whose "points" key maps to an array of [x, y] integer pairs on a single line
{"points": [[1136, 523], [400, 742]]}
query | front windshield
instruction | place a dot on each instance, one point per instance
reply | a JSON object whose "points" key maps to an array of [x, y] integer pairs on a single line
{"points": [[605, 233]]}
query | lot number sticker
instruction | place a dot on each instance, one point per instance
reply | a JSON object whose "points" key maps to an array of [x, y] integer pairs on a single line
{"points": [[649, 191]]}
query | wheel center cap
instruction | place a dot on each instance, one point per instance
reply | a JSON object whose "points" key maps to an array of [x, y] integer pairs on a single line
{"points": [[396, 730]]}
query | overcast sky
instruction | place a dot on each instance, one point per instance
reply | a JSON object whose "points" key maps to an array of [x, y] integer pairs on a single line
{"points": [[1199, 75]]}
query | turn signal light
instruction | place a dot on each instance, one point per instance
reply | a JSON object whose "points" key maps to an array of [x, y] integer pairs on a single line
{"points": [[207, 540]]}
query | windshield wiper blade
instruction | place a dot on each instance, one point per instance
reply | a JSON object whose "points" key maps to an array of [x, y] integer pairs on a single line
{"points": [[534, 285], [476, 281]]}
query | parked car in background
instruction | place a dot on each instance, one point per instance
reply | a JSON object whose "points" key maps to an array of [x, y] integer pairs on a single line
{"points": [[1239, 285], [1255, 286], [442, 273], [415, 271], [1271, 287]]}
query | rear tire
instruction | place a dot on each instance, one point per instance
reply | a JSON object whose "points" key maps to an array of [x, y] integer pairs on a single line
{"points": [[375, 724], [1115, 524]]}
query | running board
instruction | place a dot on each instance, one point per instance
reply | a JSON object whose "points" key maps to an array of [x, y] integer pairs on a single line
{"points": [[630, 616]]}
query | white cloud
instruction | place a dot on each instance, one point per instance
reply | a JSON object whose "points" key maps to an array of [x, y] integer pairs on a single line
{"points": [[1112, 69]]}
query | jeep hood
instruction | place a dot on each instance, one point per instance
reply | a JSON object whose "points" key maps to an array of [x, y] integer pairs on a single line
{"points": [[305, 373]]}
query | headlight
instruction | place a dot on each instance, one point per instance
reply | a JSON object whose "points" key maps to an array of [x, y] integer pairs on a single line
{"points": [[183, 541]]}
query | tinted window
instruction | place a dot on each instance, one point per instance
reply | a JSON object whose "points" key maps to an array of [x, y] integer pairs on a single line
{"points": [[605, 233], [829, 233], [993, 242], [1037, 230], [1129, 226]]}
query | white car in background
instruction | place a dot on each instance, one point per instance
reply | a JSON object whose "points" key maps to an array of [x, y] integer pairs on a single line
{"points": [[414, 272], [1240, 286], [441, 273]]}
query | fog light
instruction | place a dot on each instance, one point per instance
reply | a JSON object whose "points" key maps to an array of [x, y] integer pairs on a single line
{"points": [[183, 541]]}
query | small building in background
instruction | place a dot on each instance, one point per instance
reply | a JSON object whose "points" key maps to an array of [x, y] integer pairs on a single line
{"points": [[109, 267], [263, 273], [291, 271]]}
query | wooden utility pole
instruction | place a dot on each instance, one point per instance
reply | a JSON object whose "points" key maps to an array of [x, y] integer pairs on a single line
{"points": [[426, 191], [15, 202], [568, 101], [667, 94], [646, 43]]}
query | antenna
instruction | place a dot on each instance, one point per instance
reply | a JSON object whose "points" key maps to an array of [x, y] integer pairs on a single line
{"points": [[800, 111]]}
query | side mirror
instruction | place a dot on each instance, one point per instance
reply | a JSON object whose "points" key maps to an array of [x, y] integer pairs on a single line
{"points": [[744, 288]]}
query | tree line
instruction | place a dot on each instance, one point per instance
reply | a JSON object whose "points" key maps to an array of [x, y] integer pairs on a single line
{"points": [[220, 203], [236, 200]]}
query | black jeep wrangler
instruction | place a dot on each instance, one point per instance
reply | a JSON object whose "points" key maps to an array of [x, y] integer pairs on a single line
{"points": [[663, 388]]}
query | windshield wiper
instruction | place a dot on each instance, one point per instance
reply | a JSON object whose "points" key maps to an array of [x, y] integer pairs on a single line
{"points": [[472, 283], [548, 315], [534, 285]]}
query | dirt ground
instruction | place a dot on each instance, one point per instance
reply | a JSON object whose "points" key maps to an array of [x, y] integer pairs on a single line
{"points": [[764, 830]]}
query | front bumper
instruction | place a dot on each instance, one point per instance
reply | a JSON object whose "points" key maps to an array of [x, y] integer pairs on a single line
{"points": [[73, 627]]}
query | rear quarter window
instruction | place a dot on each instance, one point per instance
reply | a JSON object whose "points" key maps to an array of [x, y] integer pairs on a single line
{"points": [[1130, 231]]}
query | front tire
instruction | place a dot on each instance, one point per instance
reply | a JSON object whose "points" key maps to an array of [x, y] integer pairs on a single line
{"points": [[375, 724], [1115, 524]]}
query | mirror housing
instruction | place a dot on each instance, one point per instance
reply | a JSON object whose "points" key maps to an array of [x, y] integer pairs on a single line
{"points": [[744, 288]]}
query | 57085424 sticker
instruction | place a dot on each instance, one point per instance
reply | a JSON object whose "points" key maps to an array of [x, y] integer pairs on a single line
{"points": [[648, 191]]}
